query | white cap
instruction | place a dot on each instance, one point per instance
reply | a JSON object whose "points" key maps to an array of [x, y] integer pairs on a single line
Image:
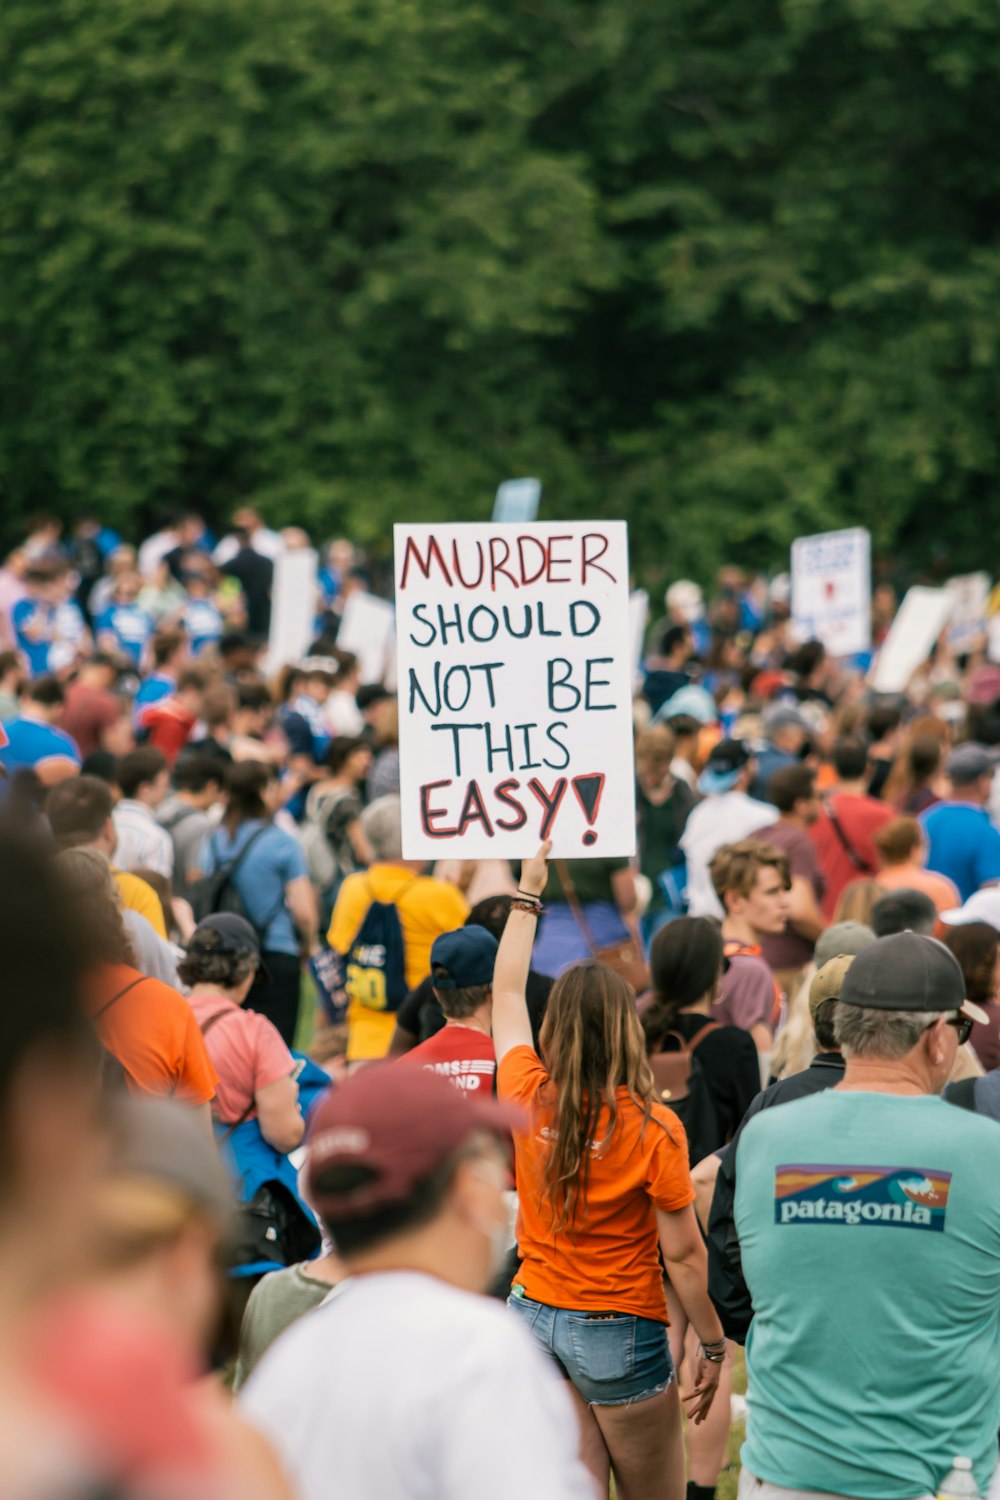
{"points": [[982, 906]]}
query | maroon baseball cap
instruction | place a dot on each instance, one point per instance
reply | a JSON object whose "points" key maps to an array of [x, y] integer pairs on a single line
{"points": [[402, 1123]]}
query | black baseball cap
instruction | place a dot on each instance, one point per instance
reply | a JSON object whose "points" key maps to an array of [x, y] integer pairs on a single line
{"points": [[227, 932], [908, 971]]}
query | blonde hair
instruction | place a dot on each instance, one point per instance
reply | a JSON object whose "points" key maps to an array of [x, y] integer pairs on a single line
{"points": [[795, 1045], [857, 901], [593, 1045]]}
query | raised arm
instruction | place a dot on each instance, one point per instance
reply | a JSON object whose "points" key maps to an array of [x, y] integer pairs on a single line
{"points": [[511, 1025]]}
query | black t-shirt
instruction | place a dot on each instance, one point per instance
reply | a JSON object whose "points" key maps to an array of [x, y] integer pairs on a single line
{"points": [[254, 573], [421, 1015], [730, 1063]]}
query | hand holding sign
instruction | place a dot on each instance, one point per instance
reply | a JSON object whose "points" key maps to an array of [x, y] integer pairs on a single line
{"points": [[515, 689], [535, 872]]}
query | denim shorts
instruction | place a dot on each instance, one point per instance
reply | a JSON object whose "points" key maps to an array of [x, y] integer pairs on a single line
{"points": [[612, 1359]]}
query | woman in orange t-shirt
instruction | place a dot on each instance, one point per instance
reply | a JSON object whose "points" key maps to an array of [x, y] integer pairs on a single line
{"points": [[603, 1185]]}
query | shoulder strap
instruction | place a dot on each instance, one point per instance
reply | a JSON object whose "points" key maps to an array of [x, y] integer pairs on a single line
{"points": [[207, 1025], [962, 1093], [696, 1041], [232, 865], [859, 864], [132, 984], [572, 901]]}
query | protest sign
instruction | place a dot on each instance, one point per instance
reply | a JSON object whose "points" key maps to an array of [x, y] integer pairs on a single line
{"points": [[831, 590], [969, 593], [922, 616], [517, 500], [515, 703], [294, 596], [368, 630], [638, 619]]}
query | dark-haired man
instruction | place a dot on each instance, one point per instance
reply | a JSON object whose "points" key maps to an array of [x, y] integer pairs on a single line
{"points": [[33, 742], [904, 911], [843, 833], [144, 781], [405, 1382], [185, 815], [462, 977], [793, 792]]}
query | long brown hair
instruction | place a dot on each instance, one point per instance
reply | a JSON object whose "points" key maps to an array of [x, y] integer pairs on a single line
{"points": [[245, 786], [92, 901], [593, 1045]]}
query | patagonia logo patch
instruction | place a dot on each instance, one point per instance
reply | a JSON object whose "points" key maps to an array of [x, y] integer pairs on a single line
{"points": [[899, 1197]]}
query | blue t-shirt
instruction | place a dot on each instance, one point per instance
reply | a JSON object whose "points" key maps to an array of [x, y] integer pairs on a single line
{"points": [[130, 625], [31, 742], [152, 689], [34, 627], [203, 623], [274, 860], [962, 844], [869, 1228]]}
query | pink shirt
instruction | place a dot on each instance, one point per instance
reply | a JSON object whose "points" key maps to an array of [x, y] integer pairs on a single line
{"points": [[246, 1052]]}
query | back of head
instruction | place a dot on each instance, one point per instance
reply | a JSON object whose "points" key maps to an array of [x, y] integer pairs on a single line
{"points": [[78, 810], [924, 758], [903, 911], [857, 901], [45, 692], [246, 783], [382, 825], [850, 759], [883, 719], [218, 706], [592, 1044], [341, 749], [195, 772], [976, 945], [167, 645], [899, 841], [686, 961], [139, 768], [790, 785], [92, 901]]}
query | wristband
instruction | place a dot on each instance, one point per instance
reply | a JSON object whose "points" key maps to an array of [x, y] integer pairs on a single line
{"points": [[530, 895], [533, 907]]}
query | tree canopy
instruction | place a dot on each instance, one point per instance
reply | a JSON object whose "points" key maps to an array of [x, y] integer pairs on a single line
{"points": [[727, 268]]}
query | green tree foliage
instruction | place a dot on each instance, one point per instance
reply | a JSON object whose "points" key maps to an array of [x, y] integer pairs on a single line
{"points": [[729, 268]]}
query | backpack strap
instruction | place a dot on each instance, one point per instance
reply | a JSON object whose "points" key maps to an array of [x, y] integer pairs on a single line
{"points": [[573, 902], [133, 984], [861, 865], [697, 1040], [207, 1025]]}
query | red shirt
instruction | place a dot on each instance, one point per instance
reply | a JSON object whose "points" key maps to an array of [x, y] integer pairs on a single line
{"points": [[168, 726], [859, 819], [87, 714], [459, 1053]]}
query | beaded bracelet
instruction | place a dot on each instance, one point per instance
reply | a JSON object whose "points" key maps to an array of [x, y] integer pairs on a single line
{"points": [[534, 906]]}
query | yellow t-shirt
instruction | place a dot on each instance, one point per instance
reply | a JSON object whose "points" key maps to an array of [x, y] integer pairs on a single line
{"points": [[138, 896], [427, 907]]}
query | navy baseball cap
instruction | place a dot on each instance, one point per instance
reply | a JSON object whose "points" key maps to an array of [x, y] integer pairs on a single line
{"points": [[227, 932], [464, 958]]}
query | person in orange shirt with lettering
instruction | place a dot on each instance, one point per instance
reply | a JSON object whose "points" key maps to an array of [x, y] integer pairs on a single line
{"points": [[603, 1186]]}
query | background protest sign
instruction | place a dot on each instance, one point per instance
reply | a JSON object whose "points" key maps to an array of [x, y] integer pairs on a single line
{"points": [[515, 678], [368, 629], [294, 595], [517, 500], [831, 590], [922, 616], [970, 594]]}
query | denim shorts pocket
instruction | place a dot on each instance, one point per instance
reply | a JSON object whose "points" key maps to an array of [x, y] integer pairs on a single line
{"points": [[527, 1310], [603, 1348]]}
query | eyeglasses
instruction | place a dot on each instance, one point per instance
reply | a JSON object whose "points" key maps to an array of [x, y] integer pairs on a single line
{"points": [[963, 1025]]}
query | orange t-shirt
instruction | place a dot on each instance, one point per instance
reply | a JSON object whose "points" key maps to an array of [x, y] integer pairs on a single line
{"points": [[915, 878], [608, 1260], [153, 1033]]}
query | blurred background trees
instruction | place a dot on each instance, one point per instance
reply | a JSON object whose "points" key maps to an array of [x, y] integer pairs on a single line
{"points": [[728, 268]]}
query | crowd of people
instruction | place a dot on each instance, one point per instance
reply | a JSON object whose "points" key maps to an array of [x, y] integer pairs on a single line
{"points": [[331, 1172]]}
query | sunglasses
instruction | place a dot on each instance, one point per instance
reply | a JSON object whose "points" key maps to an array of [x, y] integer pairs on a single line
{"points": [[963, 1025]]}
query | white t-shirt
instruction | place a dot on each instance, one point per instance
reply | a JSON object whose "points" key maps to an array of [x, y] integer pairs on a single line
{"points": [[724, 819], [402, 1386]]}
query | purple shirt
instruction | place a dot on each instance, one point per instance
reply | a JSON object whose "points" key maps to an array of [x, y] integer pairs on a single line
{"points": [[788, 949]]}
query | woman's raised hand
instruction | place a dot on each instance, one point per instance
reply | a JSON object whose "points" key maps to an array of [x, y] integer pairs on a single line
{"points": [[535, 871]]}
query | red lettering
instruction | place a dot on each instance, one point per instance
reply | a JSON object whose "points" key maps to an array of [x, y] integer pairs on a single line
{"points": [[557, 562], [586, 561], [424, 564], [502, 792], [524, 566], [429, 816], [498, 567], [473, 811], [458, 566], [550, 801]]}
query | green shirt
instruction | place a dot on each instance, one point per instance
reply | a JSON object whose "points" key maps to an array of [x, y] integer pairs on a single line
{"points": [[869, 1227], [276, 1302]]}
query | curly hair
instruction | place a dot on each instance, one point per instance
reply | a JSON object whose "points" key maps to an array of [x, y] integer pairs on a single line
{"points": [[227, 970]]}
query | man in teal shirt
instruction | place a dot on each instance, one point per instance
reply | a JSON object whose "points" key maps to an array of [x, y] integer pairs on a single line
{"points": [[869, 1226]]}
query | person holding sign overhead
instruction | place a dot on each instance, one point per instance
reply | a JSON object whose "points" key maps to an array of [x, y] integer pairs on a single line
{"points": [[603, 1186]]}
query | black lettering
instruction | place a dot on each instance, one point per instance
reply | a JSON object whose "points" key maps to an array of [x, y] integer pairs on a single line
{"points": [[583, 604], [453, 624], [528, 763], [481, 609], [465, 678], [564, 681], [493, 752], [455, 731], [553, 738], [518, 635], [591, 682], [416, 691], [541, 621], [422, 620], [489, 667]]}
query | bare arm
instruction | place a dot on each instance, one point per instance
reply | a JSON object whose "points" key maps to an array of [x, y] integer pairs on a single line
{"points": [[687, 1270], [623, 890], [763, 1038], [511, 1025], [703, 1181], [279, 1115], [360, 845], [804, 914], [300, 898]]}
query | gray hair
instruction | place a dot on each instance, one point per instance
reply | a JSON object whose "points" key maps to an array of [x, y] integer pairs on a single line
{"points": [[867, 1031], [383, 828]]}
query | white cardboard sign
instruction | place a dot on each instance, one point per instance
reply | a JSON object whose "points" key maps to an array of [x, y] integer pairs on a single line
{"points": [[831, 589], [970, 593], [517, 500], [515, 689], [921, 618], [367, 630], [294, 595]]}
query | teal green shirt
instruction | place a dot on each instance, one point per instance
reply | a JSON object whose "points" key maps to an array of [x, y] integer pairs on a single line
{"points": [[869, 1226]]}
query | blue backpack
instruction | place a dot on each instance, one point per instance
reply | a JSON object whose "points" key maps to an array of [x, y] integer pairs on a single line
{"points": [[375, 968]]}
